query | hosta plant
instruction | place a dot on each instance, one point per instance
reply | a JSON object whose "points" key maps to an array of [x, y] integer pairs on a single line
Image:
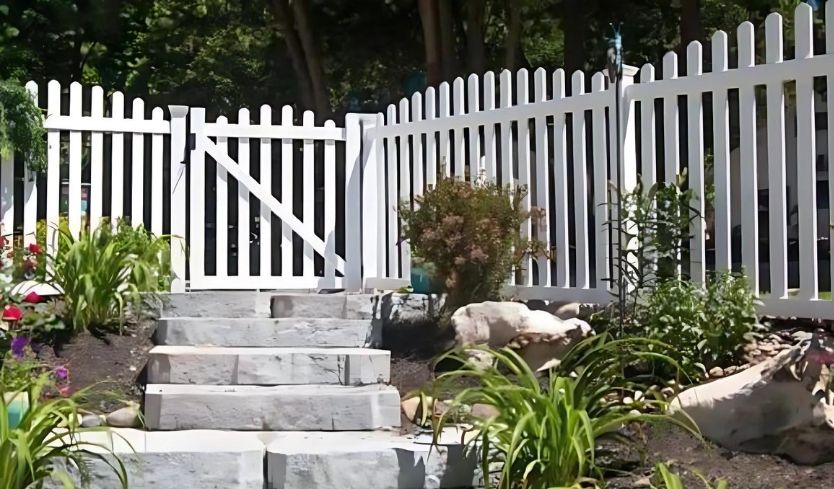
{"points": [[544, 433], [46, 444]]}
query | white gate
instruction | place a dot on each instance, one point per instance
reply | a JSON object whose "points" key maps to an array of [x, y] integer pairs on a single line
{"points": [[279, 230]]}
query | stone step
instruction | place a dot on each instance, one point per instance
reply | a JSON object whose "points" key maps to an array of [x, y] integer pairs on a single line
{"points": [[223, 304], [266, 332], [276, 460], [339, 306], [267, 366], [271, 408]]}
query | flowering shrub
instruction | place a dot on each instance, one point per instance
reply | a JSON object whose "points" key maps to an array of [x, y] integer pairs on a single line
{"points": [[471, 234]]}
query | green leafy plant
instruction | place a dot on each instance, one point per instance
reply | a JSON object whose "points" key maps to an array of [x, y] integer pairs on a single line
{"points": [[21, 126], [45, 445], [101, 274], [545, 434], [471, 234], [666, 479]]}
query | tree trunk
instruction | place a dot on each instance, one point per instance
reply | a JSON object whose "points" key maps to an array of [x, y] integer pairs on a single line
{"points": [[284, 23], [312, 55], [448, 52], [573, 21], [431, 40], [692, 29], [512, 43], [475, 50]]}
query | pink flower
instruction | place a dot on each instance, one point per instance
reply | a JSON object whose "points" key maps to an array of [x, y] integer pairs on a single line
{"points": [[12, 313], [32, 297], [64, 391]]}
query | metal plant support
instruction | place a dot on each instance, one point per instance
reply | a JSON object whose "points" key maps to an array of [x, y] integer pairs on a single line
{"points": [[615, 76]]}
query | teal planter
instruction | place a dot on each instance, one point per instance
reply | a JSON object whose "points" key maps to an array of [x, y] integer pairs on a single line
{"points": [[422, 282], [16, 406]]}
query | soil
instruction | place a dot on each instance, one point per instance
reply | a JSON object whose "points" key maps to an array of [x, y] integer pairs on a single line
{"points": [[111, 365]]}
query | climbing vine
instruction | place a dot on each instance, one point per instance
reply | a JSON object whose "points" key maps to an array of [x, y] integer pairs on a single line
{"points": [[21, 126]]}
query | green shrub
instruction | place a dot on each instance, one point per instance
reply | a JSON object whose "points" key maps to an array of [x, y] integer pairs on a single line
{"points": [[102, 273], [471, 234], [46, 441], [545, 434], [21, 126]]}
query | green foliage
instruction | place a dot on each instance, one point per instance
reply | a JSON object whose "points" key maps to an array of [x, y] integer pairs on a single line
{"points": [[471, 234], [545, 434], [36, 451], [21, 126], [666, 479], [101, 273]]}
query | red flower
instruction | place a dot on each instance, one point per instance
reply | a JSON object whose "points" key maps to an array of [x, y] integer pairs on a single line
{"points": [[32, 297], [34, 248], [65, 391], [2, 241], [12, 313]]}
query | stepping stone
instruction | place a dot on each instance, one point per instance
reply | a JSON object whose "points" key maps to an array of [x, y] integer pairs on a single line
{"points": [[267, 366], [271, 408], [266, 332]]}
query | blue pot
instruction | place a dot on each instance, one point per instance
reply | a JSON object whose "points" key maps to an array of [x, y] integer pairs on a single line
{"points": [[16, 406], [422, 282]]}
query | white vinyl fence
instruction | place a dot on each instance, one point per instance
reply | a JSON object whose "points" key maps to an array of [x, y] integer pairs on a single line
{"points": [[270, 200]]}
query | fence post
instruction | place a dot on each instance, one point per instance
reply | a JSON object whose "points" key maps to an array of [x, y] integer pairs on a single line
{"points": [[373, 248], [178, 186], [353, 202]]}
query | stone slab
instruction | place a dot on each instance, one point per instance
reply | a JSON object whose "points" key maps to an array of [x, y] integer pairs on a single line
{"points": [[265, 332], [343, 306], [271, 408], [353, 461], [227, 304], [267, 366]]}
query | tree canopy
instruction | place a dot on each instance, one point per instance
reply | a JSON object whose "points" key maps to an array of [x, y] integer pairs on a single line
{"points": [[334, 55]]}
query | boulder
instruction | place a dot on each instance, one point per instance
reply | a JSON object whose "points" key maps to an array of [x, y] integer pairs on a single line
{"points": [[779, 406], [564, 310], [126, 417], [538, 336]]}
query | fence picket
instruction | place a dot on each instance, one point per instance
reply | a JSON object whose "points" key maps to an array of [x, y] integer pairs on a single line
{"points": [[74, 200], [156, 175], [197, 232], [600, 186], [391, 162], [648, 149], [53, 168], [542, 178], [287, 193], [580, 185], [505, 88], [329, 203], [265, 216], [222, 206], [243, 233], [806, 174], [490, 167], [560, 179], [308, 186], [405, 186], [431, 152], [117, 166], [7, 193], [721, 156], [829, 48], [474, 129], [96, 160], [445, 152], [524, 173], [417, 146], [30, 188], [458, 147], [137, 208], [747, 156], [776, 163], [671, 145], [695, 165]]}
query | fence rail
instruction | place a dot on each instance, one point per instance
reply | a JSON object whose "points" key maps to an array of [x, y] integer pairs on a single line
{"points": [[290, 204]]}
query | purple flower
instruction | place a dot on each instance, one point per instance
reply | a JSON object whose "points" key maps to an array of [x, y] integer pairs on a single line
{"points": [[61, 373], [19, 344]]}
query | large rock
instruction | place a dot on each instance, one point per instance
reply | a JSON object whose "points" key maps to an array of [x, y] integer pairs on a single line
{"points": [[540, 338], [779, 406]]}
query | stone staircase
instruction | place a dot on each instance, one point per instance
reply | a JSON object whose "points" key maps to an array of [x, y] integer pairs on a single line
{"points": [[307, 368], [255, 391]]}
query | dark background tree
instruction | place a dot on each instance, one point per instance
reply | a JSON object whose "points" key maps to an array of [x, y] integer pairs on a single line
{"points": [[334, 55]]}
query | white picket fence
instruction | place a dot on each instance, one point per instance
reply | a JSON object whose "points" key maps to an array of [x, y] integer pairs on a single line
{"points": [[263, 205]]}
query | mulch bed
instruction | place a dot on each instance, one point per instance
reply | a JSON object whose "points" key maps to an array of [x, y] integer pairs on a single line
{"points": [[111, 365]]}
